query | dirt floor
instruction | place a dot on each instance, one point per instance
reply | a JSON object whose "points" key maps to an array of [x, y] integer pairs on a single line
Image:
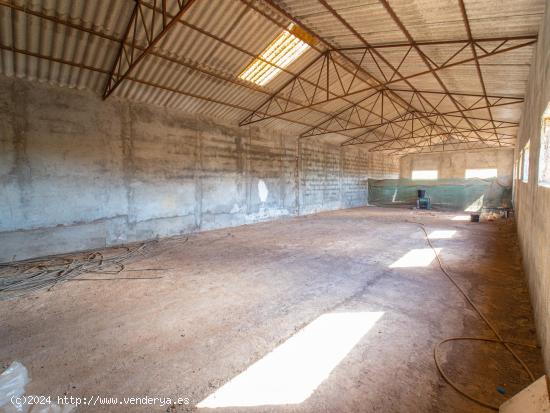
{"points": [[228, 298]]}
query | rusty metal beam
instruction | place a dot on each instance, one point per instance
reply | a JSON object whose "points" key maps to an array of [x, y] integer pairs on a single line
{"points": [[435, 92], [414, 134], [440, 42], [427, 134], [409, 37], [332, 126], [187, 63], [320, 91], [405, 139], [444, 148], [357, 67], [311, 103], [411, 137], [384, 60], [355, 73], [428, 139], [337, 97], [474, 52], [449, 64], [136, 80], [370, 89], [360, 139], [255, 56], [321, 129], [141, 27], [330, 95]]}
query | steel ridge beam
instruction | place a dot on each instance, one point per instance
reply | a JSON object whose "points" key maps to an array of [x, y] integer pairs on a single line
{"points": [[324, 127], [440, 42], [443, 149], [427, 134]]}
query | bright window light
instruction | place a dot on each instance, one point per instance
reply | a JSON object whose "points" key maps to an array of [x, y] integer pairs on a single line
{"points": [[442, 234], [483, 173], [461, 218], [520, 165], [427, 174], [416, 258], [291, 373], [544, 157], [282, 51], [525, 172]]}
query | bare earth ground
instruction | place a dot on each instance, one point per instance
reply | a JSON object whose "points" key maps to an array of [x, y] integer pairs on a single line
{"points": [[229, 297]]}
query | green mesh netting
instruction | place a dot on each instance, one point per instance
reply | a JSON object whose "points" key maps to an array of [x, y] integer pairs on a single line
{"points": [[452, 194]]}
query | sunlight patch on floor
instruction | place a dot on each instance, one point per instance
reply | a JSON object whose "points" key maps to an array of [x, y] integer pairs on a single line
{"points": [[442, 234], [421, 257], [291, 373]]}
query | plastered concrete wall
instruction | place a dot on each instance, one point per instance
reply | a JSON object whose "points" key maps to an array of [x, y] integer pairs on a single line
{"points": [[532, 200], [453, 165], [77, 172]]}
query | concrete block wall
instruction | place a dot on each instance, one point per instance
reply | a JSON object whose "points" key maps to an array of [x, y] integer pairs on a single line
{"points": [[532, 201], [78, 173]]}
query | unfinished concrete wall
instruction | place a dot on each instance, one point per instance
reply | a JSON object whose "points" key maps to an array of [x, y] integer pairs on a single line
{"points": [[532, 200], [77, 172], [453, 165], [452, 190]]}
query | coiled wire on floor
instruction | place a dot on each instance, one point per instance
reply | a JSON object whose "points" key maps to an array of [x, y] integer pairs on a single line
{"points": [[497, 339], [20, 278]]}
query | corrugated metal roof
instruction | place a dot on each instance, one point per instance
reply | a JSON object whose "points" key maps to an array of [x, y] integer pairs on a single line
{"points": [[195, 67]]}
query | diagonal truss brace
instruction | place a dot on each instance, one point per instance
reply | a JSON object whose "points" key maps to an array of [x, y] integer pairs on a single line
{"points": [[358, 117], [346, 84], [441, 147], [307, 88], [405, 130], [148, 24]]}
